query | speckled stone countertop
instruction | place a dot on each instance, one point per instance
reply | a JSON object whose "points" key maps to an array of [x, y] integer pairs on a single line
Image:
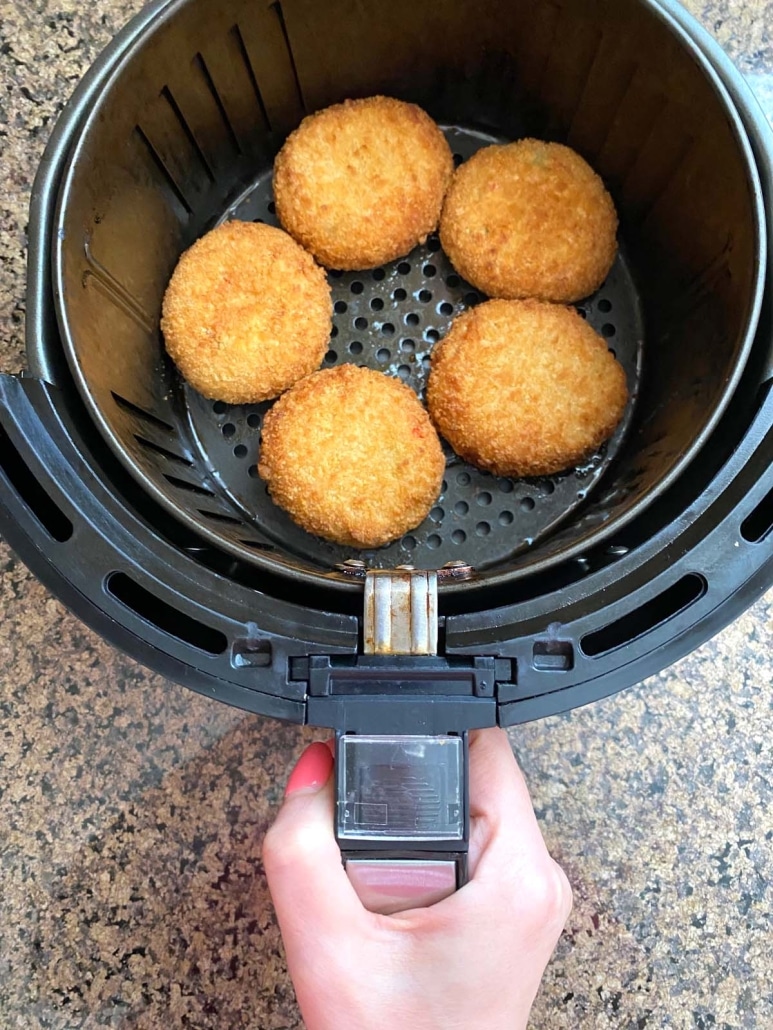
{"points": [[131, 811]]}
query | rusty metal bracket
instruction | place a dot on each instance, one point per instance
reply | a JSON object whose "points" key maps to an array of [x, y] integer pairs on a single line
{"points": [[401, 612]]}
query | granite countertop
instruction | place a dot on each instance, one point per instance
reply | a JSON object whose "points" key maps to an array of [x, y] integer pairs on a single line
{"points": [[132, 811]]}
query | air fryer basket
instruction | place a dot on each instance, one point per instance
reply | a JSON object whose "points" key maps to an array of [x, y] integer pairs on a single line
{"points": [[616, 593], [184, 135]]}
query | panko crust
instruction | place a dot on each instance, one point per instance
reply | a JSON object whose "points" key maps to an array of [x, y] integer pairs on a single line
{"points": [[525, 388], [530, 219], [362, 182], [351, 455], [247, 313]]}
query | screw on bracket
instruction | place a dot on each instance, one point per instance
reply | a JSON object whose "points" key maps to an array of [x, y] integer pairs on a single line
{"points": [[455, 570], [452, 572], [354, 568]]}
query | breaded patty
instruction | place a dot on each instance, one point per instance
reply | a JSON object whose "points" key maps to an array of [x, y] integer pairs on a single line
{"points": [[362, 182], [247, 313], [352, 456], [530, 219], [524, 388]]}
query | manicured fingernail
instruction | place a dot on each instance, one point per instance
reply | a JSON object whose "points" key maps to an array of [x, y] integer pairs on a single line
{"points": [[312, 771]]}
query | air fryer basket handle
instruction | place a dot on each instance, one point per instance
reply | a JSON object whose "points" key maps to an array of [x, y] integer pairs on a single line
{"points": [[402, 716], [402, 817]]}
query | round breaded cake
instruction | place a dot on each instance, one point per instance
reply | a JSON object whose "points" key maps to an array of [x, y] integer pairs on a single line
{"points": [[247, 313], [530, 219], [351, 456], [362, 182], [525, 388]]}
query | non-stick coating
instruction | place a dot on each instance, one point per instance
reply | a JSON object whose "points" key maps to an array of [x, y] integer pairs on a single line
{"points": [[389, 319], [201, 103]]}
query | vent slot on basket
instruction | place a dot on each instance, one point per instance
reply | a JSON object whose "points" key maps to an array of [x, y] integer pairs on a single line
{"points": [[163, 451], [166, 175], [190, 135], [140, 413], [276, 7], [216, 516], [203, 67], [191, 488], [49, 515], [757, 525], [236, 33], [164, 616], [257, 545], [649, 616]]}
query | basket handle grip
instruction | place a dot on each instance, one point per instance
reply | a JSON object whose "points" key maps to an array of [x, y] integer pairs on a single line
{"points": [[402, 817]]}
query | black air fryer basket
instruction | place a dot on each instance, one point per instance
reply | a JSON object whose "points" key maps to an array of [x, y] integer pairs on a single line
{"points": [[137, 501]]}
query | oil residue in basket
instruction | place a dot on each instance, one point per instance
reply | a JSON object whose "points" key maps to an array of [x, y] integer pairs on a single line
{"points": [[591, 465]]}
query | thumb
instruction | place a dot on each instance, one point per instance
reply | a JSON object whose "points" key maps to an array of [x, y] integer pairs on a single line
{"points": [[311, 892]]}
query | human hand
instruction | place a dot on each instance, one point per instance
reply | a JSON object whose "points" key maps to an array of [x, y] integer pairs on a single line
{"points": [[473, 961]]}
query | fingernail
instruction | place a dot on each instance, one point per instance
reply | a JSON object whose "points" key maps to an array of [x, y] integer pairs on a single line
{"points": [[312, 771]]}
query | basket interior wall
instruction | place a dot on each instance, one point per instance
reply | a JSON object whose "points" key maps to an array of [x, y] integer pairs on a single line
{"points": [[206, 100]]}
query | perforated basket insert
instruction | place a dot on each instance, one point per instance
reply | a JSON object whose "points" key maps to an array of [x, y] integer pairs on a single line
{"points": [[180, 141]]}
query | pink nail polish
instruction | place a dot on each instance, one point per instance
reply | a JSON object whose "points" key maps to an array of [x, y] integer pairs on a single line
{"points": [[312, 771]]}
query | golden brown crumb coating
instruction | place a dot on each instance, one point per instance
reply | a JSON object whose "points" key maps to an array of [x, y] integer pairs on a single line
{"points": [[352, 456], [524, 388], [247, 313], [362, 182], [530, 219]]}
